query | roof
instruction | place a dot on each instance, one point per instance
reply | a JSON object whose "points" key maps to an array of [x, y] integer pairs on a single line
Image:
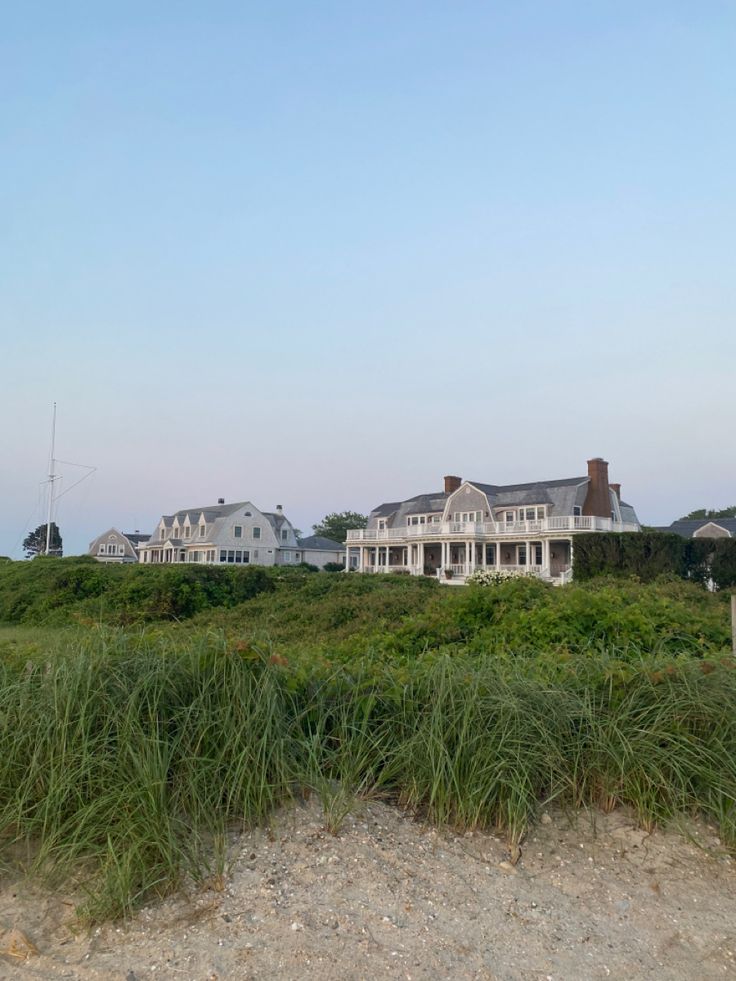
{"points": [[135, 538], [561, 495], [687, 528], [320, 543]]}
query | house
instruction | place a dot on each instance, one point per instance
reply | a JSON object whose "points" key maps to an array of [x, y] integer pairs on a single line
{"points": [[703, 528], [516, 528], [233, 534], [318, 550], [117, 546]]}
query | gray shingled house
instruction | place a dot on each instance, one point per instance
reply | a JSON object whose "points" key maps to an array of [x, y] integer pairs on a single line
{"points": [[117, 546], [514, 528], [232, 534]]}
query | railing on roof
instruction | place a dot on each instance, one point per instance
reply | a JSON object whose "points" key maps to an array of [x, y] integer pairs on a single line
{"points": [[490, 529]]}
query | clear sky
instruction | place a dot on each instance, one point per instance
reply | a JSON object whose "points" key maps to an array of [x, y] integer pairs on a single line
{"points": [[321, 254]]}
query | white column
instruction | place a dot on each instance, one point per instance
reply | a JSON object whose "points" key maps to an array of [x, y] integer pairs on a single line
{"points": [[421, 558]]}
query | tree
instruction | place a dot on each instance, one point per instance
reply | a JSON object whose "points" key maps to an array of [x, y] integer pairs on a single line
{"points": [[705, 514], [335, 525], [35, 542]]}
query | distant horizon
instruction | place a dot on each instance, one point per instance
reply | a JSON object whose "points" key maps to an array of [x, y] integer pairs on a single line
{"points": [[323, 255]]}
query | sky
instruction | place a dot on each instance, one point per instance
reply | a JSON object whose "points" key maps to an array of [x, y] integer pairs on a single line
{"points": [[322, 254]]}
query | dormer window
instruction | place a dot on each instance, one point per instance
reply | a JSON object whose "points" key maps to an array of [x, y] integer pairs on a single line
{"points": [[161, 534], [187, 531], [202, 530], [577, 510], [381, 524], [284, 535]]}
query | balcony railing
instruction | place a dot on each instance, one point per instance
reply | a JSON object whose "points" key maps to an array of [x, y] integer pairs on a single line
{"points": [[490, 529]]}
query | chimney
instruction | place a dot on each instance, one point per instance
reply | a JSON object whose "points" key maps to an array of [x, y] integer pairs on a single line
{"points": [[220, 500], [279, 509], [452, 483], [616, 488], [598, 499]]}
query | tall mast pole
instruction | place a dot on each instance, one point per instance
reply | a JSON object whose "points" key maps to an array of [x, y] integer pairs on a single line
{"points": [[52, 478]]}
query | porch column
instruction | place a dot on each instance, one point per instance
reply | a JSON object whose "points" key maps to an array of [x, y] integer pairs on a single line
{"points": [[470, 557], [421, 558], [528, 554]]}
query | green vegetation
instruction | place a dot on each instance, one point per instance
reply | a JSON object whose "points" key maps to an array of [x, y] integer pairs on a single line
{"points": [[35, 541], [128, 752], [708, 513], [648, 555], [48, 591], [337, 525]]}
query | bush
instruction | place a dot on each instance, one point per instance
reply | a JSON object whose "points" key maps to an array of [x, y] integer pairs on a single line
{"points": [[648, 555], [333, 567]]}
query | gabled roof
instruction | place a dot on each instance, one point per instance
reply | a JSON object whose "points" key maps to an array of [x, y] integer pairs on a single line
{"points": [[135, 538], [320, 543], [688, 527]]}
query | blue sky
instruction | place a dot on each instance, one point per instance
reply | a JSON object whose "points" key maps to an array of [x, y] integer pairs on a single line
{"points": [[322, 254]]}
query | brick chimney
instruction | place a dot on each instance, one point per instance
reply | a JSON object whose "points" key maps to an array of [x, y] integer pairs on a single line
{"points": [[220, 500], [452, 483], [616, 488], [598, 499]]}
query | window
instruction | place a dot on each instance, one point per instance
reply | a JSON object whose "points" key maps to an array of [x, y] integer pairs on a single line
{"points": [[381, 524], [255, 553], [521, 549], [202, 531], [121, 550], [509, 516], [247, 514], [102, 549], [238, 531], [284, 535], [223, 555], [297, 556], [287, 556], [256, 532], [187, 531], [161, 533], [577, 510], [537, 553]]}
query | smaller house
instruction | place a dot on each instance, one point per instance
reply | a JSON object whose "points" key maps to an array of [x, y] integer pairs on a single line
{"points": [[318, 550], [117, 546], [703, 528]]}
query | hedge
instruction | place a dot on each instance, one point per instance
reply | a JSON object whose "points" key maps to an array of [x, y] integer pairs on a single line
{"points": [[648, 555]]}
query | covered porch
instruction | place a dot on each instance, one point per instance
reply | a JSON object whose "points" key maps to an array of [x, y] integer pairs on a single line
{"points": [[454, 560]]}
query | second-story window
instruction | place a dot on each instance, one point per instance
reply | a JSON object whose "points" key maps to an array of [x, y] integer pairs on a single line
{"points": [[256, 532], [202, 531], [238, 531], [284, 535], [577, 510]]}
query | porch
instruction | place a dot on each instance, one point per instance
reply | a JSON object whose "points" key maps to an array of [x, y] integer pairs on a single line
{"points": [[453, 561]]}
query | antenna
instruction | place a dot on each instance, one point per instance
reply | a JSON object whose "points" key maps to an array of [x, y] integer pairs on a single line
{"points": [[52, 478]]}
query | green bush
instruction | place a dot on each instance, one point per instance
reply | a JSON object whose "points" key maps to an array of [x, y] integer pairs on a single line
{"points": [[62, 590], [648, 555]]}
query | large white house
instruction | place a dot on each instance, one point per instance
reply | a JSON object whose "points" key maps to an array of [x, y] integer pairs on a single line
{"points": [[515, 528], [232, 534]]}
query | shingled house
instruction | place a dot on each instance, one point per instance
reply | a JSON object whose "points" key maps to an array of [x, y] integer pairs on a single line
{"points": [[117, 546], [232, 534], [703, 528], [514, 528]]}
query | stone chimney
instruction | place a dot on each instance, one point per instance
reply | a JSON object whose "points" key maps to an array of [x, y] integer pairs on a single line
{"points": [[616, 488], [598, 499], [452, 484]]}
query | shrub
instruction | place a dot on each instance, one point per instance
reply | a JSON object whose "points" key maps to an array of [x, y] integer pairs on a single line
{"points": [[333, 567]]}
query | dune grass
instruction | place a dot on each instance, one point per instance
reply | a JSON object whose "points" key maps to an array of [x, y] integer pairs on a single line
{"points": [[127, 757]]}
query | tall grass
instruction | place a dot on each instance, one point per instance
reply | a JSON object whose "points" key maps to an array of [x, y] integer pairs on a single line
{"points": [[126, 759]]}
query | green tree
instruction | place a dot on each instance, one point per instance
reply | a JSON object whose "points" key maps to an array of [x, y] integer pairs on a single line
{"points": [[706, 514], [35, 542], [335, 525]]}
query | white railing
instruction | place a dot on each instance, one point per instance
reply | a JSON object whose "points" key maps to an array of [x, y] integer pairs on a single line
{"points": [[490, 529]]}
